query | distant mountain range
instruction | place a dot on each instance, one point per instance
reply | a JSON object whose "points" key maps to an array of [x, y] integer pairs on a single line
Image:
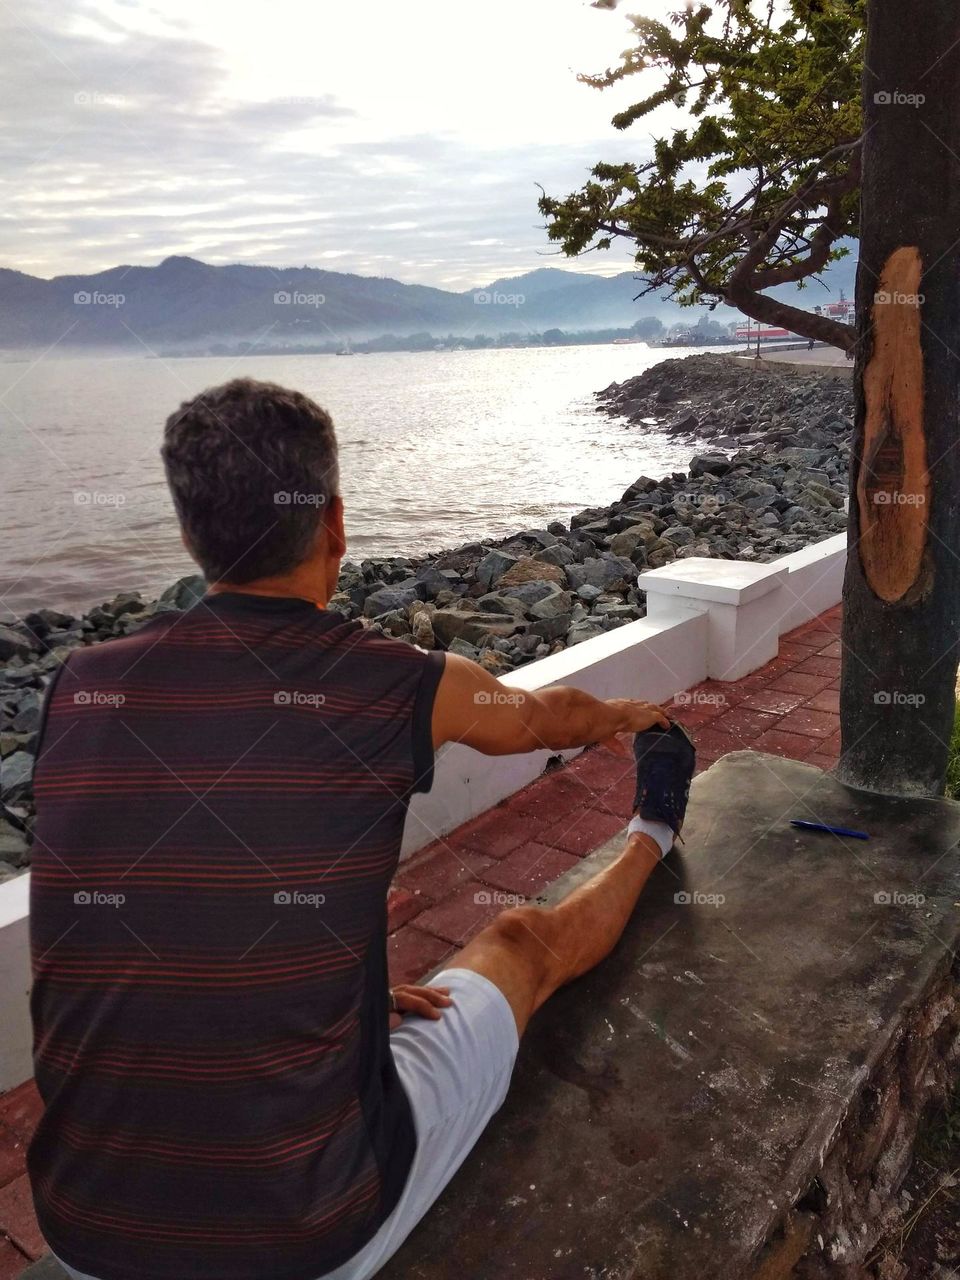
{"points": [[191, 305]]}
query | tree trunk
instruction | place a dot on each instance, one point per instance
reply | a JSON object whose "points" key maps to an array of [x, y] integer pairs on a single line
{"points": [[901, 599], [807, 324]]}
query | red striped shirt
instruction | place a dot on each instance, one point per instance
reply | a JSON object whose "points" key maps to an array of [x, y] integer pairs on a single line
{"points": [[220, 801]]}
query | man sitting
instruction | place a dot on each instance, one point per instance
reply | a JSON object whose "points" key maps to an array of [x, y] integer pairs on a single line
{"points": [[221, 799]]}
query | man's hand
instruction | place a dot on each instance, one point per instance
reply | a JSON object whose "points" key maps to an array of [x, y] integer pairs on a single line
{"points": [[641, 716], [638, 716], [425, 1001], [473, 707]]}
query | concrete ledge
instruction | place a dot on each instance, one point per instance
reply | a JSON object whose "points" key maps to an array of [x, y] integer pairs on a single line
{"points": [[734, 582], [15, 981], [749, 606], [671, 1110], [742, 601], [772, 361], [814, 580]]}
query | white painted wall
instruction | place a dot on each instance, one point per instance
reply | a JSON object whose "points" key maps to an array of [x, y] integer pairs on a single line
{"points": [[749, 606], [704, 617], [15, 1031], [815, 580]]}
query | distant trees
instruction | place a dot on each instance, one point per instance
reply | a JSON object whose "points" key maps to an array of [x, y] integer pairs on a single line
{"points": [[758, 188], [648, 327], [709, 328]]}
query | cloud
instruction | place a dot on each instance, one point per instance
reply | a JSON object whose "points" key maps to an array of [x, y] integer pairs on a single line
{"points": [[127, 143]]}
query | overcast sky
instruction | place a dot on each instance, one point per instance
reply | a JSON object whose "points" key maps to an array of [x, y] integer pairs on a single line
{"points": [[374, 136]]}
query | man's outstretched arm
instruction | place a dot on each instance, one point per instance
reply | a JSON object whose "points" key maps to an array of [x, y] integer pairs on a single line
{"points": [[473, 707]]}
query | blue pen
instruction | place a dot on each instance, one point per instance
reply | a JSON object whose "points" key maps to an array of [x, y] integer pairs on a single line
{"points": [[834, 831]]}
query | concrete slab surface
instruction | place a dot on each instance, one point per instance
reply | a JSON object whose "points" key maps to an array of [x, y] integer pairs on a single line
{"points": [[671, 1106]]}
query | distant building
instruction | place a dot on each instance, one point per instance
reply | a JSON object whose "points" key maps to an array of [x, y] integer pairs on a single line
{"points": [[844, 310], [749, 332]]}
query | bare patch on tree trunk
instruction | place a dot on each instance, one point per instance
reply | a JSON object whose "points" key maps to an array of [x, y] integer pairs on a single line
{"points": [[893, 487]]}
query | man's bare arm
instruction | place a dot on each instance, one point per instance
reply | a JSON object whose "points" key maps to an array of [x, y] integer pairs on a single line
{"points": [[473, 707]]}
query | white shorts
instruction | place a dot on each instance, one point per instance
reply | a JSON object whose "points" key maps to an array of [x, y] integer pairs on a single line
{"points": [[456, 1072]]}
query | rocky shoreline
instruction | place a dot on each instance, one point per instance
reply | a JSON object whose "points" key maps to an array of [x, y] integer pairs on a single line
{"points": [[773, 480]]}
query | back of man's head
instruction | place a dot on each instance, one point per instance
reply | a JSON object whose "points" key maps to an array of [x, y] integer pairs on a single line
{"points": [[251, 467]]}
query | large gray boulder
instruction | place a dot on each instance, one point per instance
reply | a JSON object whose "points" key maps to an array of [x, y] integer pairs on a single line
{"points": [[475, 628], [678, 534], [14, 644], [184, 592], [14, 848], [501, 603], [552, 628], [626, 542], [605, 572], [387, 599], [434, 580], [529, 593], [717, 464], [16, 773], [559, 554], [464, 650], [492, 568], [588, 629], [27, 717], [551, 606]]}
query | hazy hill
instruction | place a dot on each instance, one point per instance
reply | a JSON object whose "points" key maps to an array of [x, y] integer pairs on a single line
{"points": [[191, 304]]}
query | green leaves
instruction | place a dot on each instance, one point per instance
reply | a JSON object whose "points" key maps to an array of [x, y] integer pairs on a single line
{"points": [[767, 152]]}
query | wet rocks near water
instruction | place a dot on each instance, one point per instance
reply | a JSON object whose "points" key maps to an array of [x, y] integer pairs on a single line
{"points": [[773, 474], [501, 605], [768, 477], [749, 495], [733, 403]]}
